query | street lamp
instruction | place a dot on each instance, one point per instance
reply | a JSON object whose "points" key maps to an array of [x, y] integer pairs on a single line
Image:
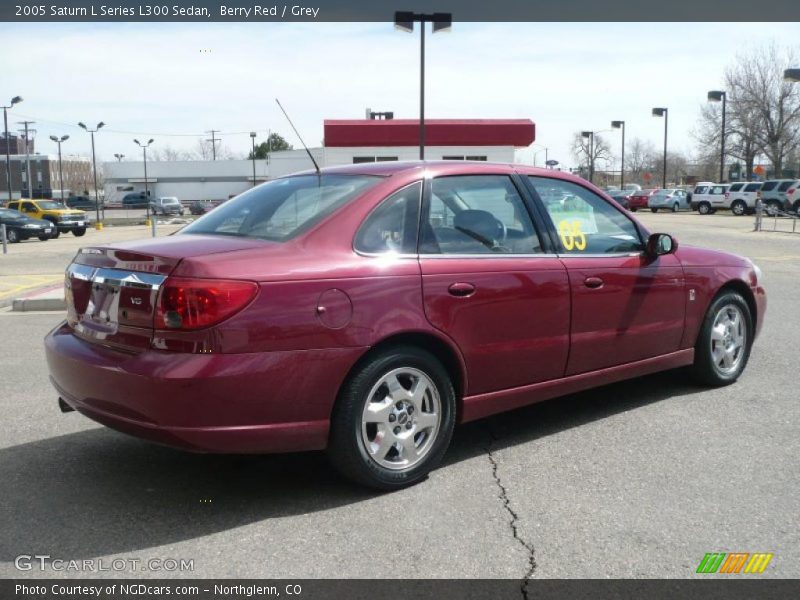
{"points": [[14, 100], [146, 190], [119, 157], [97, 224], [58, 141], [404, 21], [253, 155], [720, 96], [589, 135], [791, 75], [535, 154], [662, 112], [621, 125]]}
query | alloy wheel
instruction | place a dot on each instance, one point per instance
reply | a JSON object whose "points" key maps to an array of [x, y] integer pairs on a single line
{"points": [[728, 339]]}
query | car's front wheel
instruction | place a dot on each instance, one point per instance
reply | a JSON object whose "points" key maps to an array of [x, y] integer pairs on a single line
{"points": [[704, 208], [675, 207], [393, 420], [723, 345], [12, 237], [79, 232], [655, 210]]}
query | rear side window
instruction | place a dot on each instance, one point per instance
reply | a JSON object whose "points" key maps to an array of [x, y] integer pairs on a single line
{"points": [[768, 185], [784, 186], [392, 227], [283, 208], [736, 187], [717, 189], [584, 222], [752, 187]]}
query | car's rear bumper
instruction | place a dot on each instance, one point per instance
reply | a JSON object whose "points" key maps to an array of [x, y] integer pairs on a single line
{"points": [[229, 403]]}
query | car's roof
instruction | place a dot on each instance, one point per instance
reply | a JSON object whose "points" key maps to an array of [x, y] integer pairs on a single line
{"points": [[438, 167]]}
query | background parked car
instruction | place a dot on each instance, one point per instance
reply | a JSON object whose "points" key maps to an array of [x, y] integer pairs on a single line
{"points": [[135, 200], [669, 199], [20, 226], [200, 207], [65, 219], [82, 203], [774, 194], [741, 197], [708, 197], [623, 197], [793, 197], [639, 198], [166, 205]]}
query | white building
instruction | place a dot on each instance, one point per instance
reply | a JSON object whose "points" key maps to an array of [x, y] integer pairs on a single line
{"points": [[346, 142]]}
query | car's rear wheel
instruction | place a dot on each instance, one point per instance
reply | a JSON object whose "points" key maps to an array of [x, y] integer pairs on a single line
{"points": [[44, 238], [79, 232], [704, 208], [675, 207], [797, 208], [723, 345], [655, 210], [738, 208], [393, 419], [773, 208], [634, 209]]}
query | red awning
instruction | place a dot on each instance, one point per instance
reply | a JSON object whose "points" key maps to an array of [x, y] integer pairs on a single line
{"points": [[438, 132]]}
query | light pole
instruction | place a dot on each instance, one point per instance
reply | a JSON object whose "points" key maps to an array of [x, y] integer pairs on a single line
{"points": [[793, 76], [14, 100], [535, 154], [58, 141], [253, 154], [404, 21], [97, 224], [720, 96], [146, 189], [662, 112], [589, 135], [119, 157], [621, 125]]}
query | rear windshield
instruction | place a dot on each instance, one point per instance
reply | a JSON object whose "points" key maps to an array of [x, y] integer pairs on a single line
{"points": [[284, 208]]}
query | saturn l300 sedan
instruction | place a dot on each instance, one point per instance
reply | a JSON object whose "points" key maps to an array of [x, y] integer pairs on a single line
{"points": [[368, 309]]}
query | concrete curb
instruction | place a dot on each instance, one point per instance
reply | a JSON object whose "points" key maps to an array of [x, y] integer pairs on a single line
{"points": [[38, 304]]}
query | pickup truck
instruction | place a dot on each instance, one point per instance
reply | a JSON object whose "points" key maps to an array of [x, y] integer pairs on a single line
{"points": [[65, 219]]}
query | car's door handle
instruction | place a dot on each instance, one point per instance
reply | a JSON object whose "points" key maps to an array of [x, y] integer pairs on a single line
{"points": [[462, 290], [593, 282]]}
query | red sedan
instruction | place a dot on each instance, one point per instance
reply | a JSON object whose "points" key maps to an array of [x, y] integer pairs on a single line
{"points": [[639, 199], [367, 309]]}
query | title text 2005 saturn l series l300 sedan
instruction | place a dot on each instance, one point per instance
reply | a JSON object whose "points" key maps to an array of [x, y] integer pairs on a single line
{"points": [[367, 309]]}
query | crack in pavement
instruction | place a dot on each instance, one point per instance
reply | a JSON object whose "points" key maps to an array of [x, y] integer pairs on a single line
{"points": [[514, 518]]}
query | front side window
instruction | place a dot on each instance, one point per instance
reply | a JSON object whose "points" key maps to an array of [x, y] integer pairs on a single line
{"points": [[768, 185], [283, 208], [585, 223], [753, 187], [392, 227], [477, 214], [700, 189]]}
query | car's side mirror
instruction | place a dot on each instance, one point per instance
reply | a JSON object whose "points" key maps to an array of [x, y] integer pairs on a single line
{"points": [[659, 244]]}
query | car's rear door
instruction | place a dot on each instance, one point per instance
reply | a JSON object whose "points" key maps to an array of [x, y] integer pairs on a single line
{"points": [[625, 306], [489, 284]]}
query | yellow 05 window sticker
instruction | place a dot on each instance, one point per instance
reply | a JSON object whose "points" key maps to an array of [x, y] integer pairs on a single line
{"points": [[571, 234]]}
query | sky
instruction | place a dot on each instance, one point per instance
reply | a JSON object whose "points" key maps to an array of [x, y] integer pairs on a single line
{"points": [[173, 81]]}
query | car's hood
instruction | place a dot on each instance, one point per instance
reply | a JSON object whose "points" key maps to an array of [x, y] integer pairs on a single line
{"points": [[692, 256]]}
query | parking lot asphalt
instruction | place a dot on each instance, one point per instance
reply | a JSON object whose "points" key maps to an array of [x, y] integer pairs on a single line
{"points": [[637, 479]]}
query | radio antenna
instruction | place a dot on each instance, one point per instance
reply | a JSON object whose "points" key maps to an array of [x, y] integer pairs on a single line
{"points": [[311, 156]]}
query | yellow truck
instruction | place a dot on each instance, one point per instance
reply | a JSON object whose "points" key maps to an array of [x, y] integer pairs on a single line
{"points": [[65, 219]]}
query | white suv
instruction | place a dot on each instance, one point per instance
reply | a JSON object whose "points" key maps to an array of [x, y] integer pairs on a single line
{"points": [[708, 197], [741, 197]]}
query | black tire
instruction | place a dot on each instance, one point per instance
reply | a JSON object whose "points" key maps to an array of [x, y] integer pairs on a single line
{"points": [[773, 208], [56, 233], [738, 208], [675, 207], [704, 370], [634, 209], [12, 237], [79, 232], [704, 208], [797, 208], [346, 449], [655, 210], [44, 238]]}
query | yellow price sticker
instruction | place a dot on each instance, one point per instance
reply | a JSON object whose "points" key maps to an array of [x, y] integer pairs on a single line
{"points": [[572, 237]]}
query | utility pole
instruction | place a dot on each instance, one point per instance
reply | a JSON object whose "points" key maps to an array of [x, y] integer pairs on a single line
{"points": [[213, 139], [27, 153]]}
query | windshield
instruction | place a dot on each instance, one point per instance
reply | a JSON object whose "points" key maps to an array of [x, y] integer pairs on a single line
{"points": [[169, 201], [283, 208], [50, 205], [7, 213]]}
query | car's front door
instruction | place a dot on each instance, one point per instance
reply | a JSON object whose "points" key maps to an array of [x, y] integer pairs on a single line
{"points": [[489, 285], [625, 306]]}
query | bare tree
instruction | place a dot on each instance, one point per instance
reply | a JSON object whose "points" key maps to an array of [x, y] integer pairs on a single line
{"points": [[167, 153], [588, 153], [203, 150], [640, 158]]}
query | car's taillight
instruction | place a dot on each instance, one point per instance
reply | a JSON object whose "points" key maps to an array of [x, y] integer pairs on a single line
{"points": [[790, 191], [199, 303]]}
